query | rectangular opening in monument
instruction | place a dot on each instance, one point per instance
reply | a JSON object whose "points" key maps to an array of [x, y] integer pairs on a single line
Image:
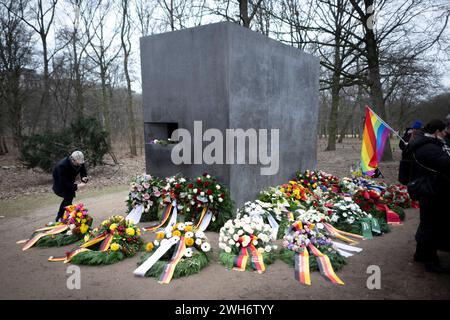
{"points": [[159, 130]]}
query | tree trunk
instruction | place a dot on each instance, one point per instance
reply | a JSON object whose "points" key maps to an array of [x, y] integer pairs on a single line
{"points": [[335, 89], [376, 90], [243, 12], [105, 109]]}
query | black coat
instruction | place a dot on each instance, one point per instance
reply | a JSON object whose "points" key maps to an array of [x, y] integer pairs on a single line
{"points": [[64, 175], [434, 211]]}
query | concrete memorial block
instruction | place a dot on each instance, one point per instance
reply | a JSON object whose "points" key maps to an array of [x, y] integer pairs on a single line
{"points": [[223, 76]]}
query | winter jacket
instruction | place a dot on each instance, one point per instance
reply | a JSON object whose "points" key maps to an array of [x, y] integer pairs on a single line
{"points": [[64, 175], [430, 152]]}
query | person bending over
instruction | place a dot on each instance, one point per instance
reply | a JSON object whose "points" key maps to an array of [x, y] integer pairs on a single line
{"points": [[64, 175]]}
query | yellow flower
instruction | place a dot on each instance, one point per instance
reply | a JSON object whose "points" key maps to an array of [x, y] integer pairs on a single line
{"points": [[84, 228], [83, 221], [86, 238], [138, 231], [105, 222], [79, 215], [188, 229], [113, 227], [189, 242], [130, 232], [149, 247], [176, 233], [282, 190], [160, 235], [115, 246]]}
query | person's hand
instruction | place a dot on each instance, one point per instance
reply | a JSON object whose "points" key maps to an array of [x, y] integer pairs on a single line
{"points": [[85, 179], [81, 185]]}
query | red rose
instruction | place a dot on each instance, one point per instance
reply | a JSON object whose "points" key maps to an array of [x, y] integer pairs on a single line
{"points": [[190, 185], [177, 186], [209, 192], [206, 183], [199, 180]]}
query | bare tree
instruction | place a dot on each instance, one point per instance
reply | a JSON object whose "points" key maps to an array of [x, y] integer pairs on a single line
{"points": [[101, 37], [125, 37], [400, 27], [39, 16], [15, 55], [144, 11]]}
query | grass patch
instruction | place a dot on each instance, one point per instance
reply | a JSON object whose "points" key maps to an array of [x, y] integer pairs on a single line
{"points": [[27, 204]]}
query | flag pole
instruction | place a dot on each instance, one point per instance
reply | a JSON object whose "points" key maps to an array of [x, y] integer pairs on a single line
{"points": [[388, 126]]}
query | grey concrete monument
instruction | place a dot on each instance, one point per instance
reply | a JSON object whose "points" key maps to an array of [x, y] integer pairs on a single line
{"points": [[229, 77]]}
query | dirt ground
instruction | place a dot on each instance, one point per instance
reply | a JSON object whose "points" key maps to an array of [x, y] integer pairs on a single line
{"points": [[28, 275]]}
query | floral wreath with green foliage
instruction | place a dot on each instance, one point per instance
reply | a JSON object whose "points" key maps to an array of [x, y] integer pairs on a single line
{"points": [[347, 216], [115, 240], [242, 233], [195, 258], [73, 226], [275, 215], [300, 235], [145, 190], [191, 197]]}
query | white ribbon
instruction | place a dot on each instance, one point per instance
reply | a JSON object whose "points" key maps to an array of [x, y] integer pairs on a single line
{"points": [[135, 214], [346, 247], [206, 221], [345, 254], [274, 224], [163, 248], [173, 218]]}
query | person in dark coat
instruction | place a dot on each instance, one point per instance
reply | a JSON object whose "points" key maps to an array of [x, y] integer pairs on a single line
{"points": [[64, 175], [405, 168], [432, 160], [447, 137]]}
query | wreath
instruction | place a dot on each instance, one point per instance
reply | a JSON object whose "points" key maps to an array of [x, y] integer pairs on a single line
{"points": [[306, 248], [115, 240], [246, 242], [74, 225], [182, 246], [203, 200]]}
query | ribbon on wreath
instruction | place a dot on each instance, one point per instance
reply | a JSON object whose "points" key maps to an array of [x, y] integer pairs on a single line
{"points": [[325, 267], [391, 216], [205, 220], [302, 272], [165, 216], [135, 214], [249, 251], [169, 268], [161, 251], [342, 235], [47, 231], [105, 237]]}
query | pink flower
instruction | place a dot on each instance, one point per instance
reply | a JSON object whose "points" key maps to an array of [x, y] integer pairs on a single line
{"points": [[146, 196], [146, 185]]}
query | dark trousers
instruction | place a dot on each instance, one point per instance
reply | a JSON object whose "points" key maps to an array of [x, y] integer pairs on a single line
{"points": [[67, 201]]}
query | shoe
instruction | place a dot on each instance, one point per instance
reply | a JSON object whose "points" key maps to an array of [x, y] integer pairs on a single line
{"points": [[419, 258], [436, 268]]}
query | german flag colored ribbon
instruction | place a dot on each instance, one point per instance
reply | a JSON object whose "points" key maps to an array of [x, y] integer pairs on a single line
{"points": [[250, 251], [165, 217], [257, 259], [325, 267], [240, 262], [105, 237], [302, 272], [391, 216], [49, 232], [169, 268], [342, 234]]}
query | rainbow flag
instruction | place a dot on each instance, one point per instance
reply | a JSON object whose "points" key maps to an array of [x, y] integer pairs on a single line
{"points": [[375, 135]]}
